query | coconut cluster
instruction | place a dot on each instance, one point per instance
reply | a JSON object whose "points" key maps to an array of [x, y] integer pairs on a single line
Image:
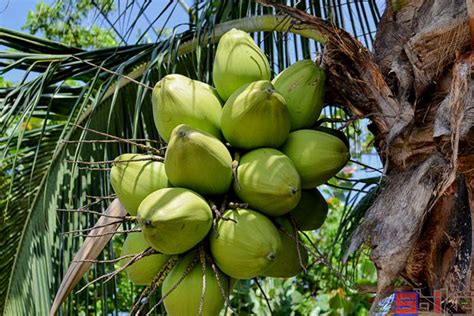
{"points": [[238, 180]]}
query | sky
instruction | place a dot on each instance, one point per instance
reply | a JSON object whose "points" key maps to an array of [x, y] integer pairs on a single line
{"points": [[13, 15], [13, 12]]}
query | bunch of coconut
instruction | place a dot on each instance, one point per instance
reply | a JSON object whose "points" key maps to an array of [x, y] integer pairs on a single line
{"points": [[239, 177]]}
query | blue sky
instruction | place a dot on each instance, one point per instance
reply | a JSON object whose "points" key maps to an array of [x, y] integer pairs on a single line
{"points": [[13, 12], [13, 15]]}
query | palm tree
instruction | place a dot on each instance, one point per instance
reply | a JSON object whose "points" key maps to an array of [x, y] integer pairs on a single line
{"points": [[413, 82]]}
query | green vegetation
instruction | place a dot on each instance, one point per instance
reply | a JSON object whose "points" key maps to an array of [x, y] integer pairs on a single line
{"points": [[68, 22]]}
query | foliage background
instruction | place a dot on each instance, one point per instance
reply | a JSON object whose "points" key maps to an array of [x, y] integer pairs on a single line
{"points": [[47, 92]]}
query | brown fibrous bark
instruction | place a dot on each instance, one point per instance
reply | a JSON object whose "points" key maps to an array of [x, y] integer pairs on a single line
{"points": [[417, 88]]}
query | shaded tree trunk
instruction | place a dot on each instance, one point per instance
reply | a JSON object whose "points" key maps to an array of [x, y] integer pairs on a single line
{"points": [[417, 88]]}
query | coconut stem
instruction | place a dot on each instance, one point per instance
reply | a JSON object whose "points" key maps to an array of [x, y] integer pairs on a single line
{"points": [[107, 261], [317, 254], [182, 134], [94, 141], [219, 284], [83, 208], [185, 274], [271, 256], [269, 91], [235, 205], [297, 239], [90, 212], [293, 190], [224, 204], [218, 216], [94, 169], [89, 229], [365, 166], [202, 258], [141, 146], [235, 166], [108, 234], [157, 281], [109, 276], [116, 162], [264, 296], [346, 188], [321, 258]]}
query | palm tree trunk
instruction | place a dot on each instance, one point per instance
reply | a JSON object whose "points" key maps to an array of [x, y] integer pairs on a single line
{"points": [[417, 88]]}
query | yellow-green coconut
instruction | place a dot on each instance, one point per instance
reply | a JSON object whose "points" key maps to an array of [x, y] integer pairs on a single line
{"points": [[318, 156], [289, 262], [311, 211], [198, 161], [246, 244], [180, 100], [255, 116], [302, 86], [134, 176], [268, 181], [185, 299], [145, 269], [238, 61], [174, 220]]}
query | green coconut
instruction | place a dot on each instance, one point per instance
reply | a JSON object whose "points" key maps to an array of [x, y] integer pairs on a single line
{"points": [[238, 61], [255, 116], [289, 263], [246, 244], [185, 299], [318, 156], [339, 134], [134, 176], [174, 220], [302, 86], [311, 211], [145, 269], [268, 181], [198, 161], [179, 100]]}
